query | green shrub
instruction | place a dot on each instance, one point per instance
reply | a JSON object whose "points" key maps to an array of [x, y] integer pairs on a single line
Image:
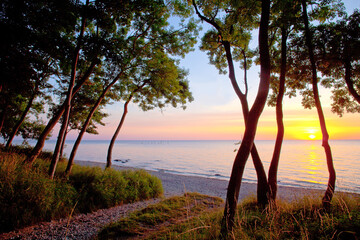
{"points": [[27, 195], [111, 186], [141, 185], [103, 189]]}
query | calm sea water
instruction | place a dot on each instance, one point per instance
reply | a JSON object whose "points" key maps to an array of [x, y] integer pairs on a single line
{"points": [[302, 163]]}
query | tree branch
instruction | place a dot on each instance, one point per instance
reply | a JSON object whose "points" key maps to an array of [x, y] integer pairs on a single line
{"points": [[212, 22]]}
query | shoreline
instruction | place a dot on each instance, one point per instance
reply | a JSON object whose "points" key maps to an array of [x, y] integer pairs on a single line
{"points": [[176, 184]]}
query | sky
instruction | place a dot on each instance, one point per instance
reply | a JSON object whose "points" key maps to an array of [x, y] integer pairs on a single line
{"points": [[215, 113]]}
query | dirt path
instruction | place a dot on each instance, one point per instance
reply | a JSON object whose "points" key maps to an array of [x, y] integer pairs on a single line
{"points": [[83, 226]]}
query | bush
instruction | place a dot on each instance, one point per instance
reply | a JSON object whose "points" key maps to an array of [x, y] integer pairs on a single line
{"points": [[28, 196], [103, 189], [142, 185]]}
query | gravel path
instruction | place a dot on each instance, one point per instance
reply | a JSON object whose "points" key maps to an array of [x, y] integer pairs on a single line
{"points": [[83, 226]]}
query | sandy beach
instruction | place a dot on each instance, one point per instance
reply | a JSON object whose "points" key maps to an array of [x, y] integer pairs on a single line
{"points": [[175, 184]]}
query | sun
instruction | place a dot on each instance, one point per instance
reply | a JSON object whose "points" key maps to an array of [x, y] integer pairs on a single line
{"points": [[312, 136]]}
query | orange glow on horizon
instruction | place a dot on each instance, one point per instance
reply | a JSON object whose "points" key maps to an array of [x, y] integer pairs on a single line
{"points": [[299, 125]]}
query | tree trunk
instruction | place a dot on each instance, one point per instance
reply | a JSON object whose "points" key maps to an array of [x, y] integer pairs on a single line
{"points": [[262, 187], [325, 141], [348, 80], [251, 124], [86, 124], [64, 125], [113, 139], [21, 120], [61, 153], [51, 124], [273, 169], [2, 117]]}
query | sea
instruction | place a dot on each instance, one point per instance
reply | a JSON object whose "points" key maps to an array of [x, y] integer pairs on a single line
{"points": [[302, 163]]}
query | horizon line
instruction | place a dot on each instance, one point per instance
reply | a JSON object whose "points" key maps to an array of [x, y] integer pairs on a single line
{"points": [[204, 139]]}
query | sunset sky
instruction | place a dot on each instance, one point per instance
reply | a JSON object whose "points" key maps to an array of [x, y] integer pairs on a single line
{"points": [[216, 111]]}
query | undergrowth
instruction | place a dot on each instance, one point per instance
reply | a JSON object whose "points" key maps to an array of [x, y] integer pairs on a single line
{"points": [[28, 196], [304, 219]]}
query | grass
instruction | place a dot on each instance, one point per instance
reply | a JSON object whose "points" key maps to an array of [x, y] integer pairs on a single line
{"points": [[28, 196], [304, 219], [157, 218]]}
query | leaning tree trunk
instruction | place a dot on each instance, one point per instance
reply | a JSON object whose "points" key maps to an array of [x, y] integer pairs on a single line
{"points": [[348, 79], [325, 141], [51, 124], [251, 124], [273, 169], [87, 122], [61, 153], [262, 186], [2, 117], [21, 120], [113, 139], [66, 116]]}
